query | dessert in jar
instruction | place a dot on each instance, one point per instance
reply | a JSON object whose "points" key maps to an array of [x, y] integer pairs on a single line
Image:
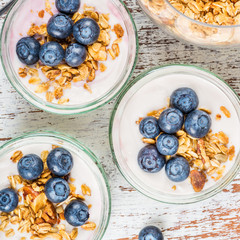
{"points": [[64, 82], [203, 23], [212, 155], [60, 191]]}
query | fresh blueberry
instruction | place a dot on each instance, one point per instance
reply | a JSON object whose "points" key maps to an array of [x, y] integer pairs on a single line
{"points": [[51, 54], [185, 99], [60, 162], [177, 169], [197, 124], [150, 233], [57, 190], [30, 167], [75, 54], [150, 160], [60, 26], [67, 6], [171, 120], [149, 127], [8, 200], [76, 213], [86, 31], [28, 50], [167, 144]]}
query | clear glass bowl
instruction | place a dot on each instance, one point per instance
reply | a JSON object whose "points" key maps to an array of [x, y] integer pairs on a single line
{"points": [[150, 91], [184, 28], [105, 86], [86, 158]]}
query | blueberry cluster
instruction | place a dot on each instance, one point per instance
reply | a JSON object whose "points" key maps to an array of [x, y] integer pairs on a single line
{"points": [[57, 190], [182, 113], [60, 27]]}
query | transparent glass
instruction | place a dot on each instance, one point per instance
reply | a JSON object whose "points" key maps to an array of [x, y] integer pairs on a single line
{"points": [[79, 149], [117, 143], [184, 28], [122, 73]]}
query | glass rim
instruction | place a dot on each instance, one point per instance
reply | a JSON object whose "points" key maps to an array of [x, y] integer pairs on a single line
{"points": [[78, 145], [190, 19], [193, 199], [76, 108]]}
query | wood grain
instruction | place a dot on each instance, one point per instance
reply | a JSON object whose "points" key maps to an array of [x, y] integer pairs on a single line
{"points": [[217, 218]]}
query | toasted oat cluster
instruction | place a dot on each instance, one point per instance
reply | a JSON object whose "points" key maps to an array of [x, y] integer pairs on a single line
{"points": [[35, 214], [224, 12], [211, 12], [206, 156], [62, 76]]}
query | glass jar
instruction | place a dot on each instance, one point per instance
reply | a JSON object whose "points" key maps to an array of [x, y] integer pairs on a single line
{"points": [[150, 91]]}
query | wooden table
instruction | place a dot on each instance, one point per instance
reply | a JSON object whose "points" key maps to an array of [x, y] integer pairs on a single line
{"points": [[217, 218]]}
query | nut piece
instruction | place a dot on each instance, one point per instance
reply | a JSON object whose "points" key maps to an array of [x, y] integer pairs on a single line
{"points": [[39, 202], [231, 153], [149, 140], [17, 156], [86, 190], [225, 112], [218, 117], [22, 72], [206, 110], [41, 14], [89, 226], [74, 234], [9, 233], [34, 80], [64, 235], [102, 67], [198, 180], [118, 30]]}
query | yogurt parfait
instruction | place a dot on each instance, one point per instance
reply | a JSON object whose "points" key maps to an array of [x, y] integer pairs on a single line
{"points": [[69, 60], [51, 188], [172, 134]]}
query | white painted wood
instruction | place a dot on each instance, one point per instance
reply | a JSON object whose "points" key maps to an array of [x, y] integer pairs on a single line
{"points": [[215, 219]]}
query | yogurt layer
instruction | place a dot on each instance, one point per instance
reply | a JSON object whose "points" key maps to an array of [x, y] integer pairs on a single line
{"points": [[28, 13], [153, 95], [80, 172]]}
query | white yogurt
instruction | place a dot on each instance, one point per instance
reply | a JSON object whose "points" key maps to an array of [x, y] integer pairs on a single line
{"points": [[80, 172], [104, 81], [153, 95]]}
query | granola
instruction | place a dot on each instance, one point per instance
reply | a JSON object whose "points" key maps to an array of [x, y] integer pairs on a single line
{"points": [[211, 12], [62, 76], [35, 214], [206, 156]]}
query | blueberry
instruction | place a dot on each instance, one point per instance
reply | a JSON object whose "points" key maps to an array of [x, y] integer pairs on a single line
{"points": [[185, 99], [171, 120], [86, 31], [51, 54], [75, 54], [60, 26], [167, 144], [67, 6], [57, 190], [60, 162], [197, 124], [150, 160], [28, 50], [149, 127], [177, 169], [150, 233], [76, 213], [30, 167], [8, 200]]}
